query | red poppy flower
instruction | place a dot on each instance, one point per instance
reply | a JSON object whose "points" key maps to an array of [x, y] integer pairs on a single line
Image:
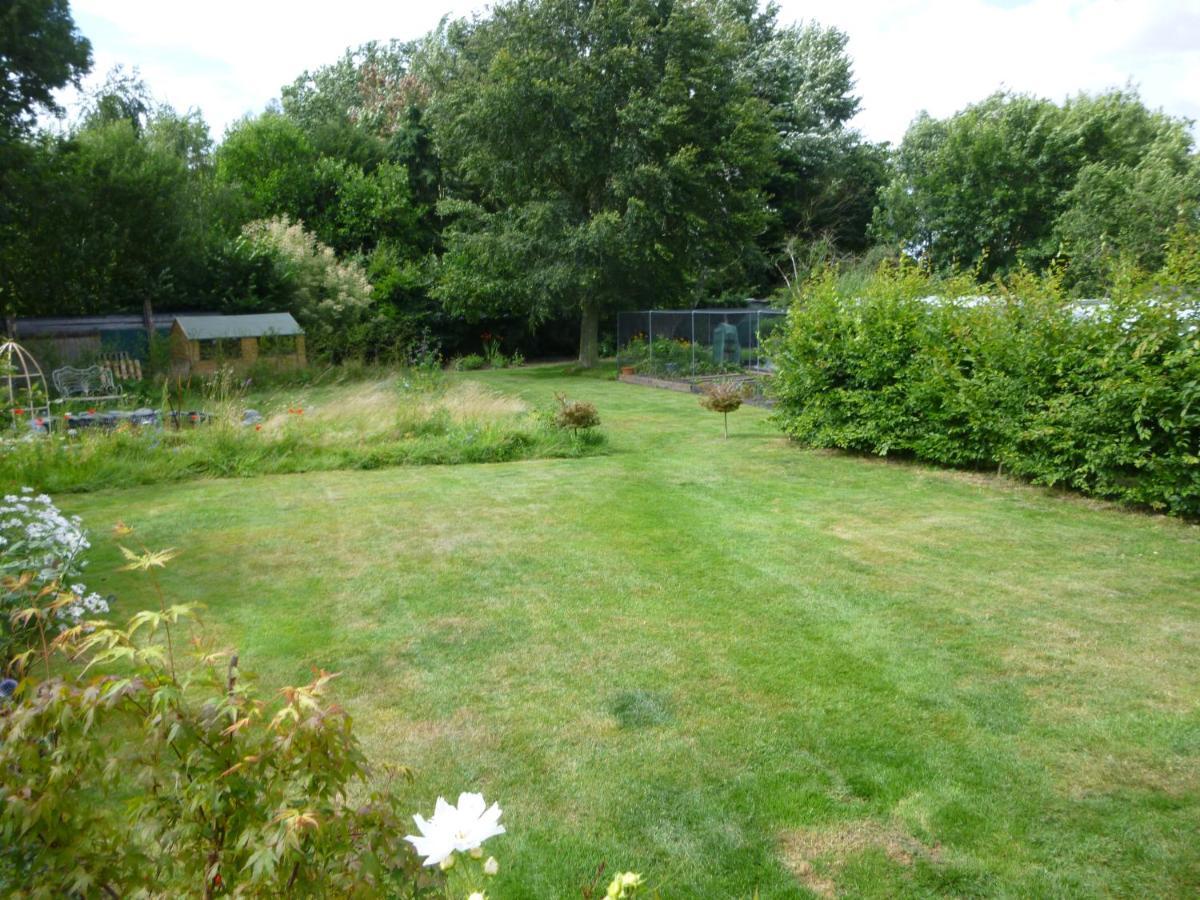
{"points": [[91, 412], [19, 411], [258, 428]]}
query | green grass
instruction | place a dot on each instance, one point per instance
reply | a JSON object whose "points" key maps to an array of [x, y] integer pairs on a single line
{"points": [[367, 423], [733, 665]]}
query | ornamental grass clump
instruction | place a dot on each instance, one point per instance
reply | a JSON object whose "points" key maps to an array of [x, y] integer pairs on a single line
{"points": [[724, 397], [414, 418]]}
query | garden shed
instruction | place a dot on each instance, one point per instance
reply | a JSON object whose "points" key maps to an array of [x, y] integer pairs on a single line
{"points": [[203, 344]]}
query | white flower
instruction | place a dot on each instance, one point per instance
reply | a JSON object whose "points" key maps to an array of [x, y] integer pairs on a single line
{"points": [[491, 867], [455, 828], [477, 895]]}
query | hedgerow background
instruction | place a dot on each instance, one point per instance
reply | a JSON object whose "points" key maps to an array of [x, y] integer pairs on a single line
{"points": [[1101, 397]]}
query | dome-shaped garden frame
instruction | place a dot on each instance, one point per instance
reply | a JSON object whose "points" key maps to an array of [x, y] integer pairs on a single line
{"points": [[25, 388]]}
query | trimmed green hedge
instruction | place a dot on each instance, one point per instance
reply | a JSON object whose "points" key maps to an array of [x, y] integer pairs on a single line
{"points": [[1105, 400]]}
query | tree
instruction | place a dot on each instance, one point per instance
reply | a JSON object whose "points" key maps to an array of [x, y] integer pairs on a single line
{"points": [[108, 218], [598, 155], [1018, 180], [368, 109], [828, 176], [271, 164], [40, 51]]}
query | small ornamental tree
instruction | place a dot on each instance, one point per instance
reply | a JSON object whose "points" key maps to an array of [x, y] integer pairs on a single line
{"points": [[723, 397], [575, 414]]}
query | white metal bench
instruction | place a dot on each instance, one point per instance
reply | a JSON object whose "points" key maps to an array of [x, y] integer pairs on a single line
{"points": [[92, 383]]}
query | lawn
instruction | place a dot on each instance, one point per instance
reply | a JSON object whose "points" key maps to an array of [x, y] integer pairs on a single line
{"points": [[733, 665]]}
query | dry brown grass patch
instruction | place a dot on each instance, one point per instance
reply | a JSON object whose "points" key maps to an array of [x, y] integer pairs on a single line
{"points": [[817, 855], [470, 401]]}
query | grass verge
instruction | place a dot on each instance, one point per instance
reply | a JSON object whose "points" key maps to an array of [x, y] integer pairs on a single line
{"points": [[734, 665]]}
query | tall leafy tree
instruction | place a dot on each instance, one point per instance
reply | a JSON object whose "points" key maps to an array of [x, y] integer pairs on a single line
{"points": [[270, 162], [40, 51], [368, 108], [828, 176], [1019, 180], [601, 154]]}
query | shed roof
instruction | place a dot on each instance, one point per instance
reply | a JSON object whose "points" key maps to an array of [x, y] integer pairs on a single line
{"points": [[205, 328], [68, 326]]}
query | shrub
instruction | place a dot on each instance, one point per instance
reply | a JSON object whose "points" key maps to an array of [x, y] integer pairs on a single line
{"points": [[194, 785], [575, 414], [470, 363], [723, 397], [40, 550], [1104, 399], [330, 297]]}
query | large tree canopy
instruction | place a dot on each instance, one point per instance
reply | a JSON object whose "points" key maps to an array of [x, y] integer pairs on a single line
{"points": [[603, 154], [1018, 180], [40, 51], [828, 177]]}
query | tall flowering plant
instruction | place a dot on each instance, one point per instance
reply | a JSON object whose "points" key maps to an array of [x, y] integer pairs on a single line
{"points": [[491, 350]]}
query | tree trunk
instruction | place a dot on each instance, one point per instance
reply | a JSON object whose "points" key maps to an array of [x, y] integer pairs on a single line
{"points": [[589, 335], [148, 319]]}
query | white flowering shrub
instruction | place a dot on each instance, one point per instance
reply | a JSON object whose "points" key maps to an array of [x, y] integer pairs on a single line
{"points": [[41, 549], [330, 296]]}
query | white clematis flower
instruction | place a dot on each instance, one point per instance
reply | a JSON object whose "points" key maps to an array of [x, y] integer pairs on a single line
{"points": [[454, 829]]}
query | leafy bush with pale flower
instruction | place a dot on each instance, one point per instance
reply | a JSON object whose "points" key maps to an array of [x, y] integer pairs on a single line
{"points": [[330, 296], [196, 786], [41, 553]]}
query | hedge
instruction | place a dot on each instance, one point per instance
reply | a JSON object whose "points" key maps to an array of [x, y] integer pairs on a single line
{"points": [[1102, 398]]}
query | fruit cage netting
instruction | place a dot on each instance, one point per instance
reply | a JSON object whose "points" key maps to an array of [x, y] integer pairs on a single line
{"points": [[691, 343]]}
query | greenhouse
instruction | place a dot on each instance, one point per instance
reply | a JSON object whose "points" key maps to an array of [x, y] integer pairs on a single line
{"points": [[692, 343]]}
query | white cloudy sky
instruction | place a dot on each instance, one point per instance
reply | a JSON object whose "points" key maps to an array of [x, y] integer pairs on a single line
{"points": [[228, 58]]}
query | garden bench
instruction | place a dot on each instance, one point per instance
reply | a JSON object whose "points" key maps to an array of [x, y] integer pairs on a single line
{"points": [[92, 383]]}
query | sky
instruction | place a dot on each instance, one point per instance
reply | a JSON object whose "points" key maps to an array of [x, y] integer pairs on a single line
{"points": [[230, 58]]}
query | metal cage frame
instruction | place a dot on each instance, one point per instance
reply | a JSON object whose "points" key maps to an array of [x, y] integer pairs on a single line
{"points": [[19, 371], [695, 343]]}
